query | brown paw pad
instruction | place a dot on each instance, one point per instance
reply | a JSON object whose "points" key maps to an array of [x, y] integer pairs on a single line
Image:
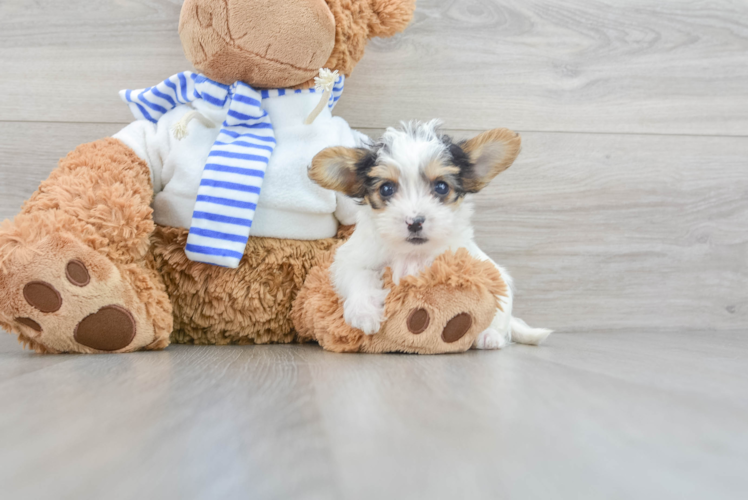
{"points": [[109, 329], [457, 327], [30, 323], [418, 321], [42, 296], [77, 273]]}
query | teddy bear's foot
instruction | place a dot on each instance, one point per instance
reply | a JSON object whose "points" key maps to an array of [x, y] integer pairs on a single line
{"points": [[446, 308], [435, 328], [60, 295]]}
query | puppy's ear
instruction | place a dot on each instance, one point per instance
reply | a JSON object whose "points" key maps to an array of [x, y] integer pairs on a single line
{"points": [[338, 169], [490, 153]]}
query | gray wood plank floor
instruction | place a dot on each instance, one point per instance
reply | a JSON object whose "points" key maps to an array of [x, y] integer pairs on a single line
{"points": [[624, 223], [596, 415]]}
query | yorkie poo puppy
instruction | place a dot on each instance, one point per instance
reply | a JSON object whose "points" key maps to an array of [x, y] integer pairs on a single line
{"points": [[415, 187]]}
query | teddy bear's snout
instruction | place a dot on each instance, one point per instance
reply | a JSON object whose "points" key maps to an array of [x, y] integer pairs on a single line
{"points": [[257, 42]]}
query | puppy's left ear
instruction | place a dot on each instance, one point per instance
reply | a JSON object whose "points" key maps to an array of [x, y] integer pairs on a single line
{"points": [[490, 153], [337, 169]]}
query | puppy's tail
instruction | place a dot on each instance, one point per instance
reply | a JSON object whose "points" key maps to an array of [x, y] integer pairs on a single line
{"points": [[522, 333]]}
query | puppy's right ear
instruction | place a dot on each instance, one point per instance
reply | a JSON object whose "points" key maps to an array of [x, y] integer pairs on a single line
{"points": [[339, 169], [491, 153]]}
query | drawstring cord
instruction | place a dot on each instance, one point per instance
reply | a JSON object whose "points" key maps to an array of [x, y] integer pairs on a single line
{"points": [[180, 128], [325, 81]]}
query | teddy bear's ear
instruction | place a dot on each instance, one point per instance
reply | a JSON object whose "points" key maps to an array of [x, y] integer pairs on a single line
{"points": [[390, 16]]}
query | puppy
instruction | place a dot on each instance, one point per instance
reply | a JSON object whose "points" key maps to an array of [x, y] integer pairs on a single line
{"points": [[415, 186]]}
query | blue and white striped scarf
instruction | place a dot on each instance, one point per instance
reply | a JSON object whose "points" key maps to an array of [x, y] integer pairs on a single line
{"points": [[232, 177]]}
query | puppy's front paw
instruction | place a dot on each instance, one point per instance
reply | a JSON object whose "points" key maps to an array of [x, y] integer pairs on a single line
{"points": [[365, 311], [490, 339]]}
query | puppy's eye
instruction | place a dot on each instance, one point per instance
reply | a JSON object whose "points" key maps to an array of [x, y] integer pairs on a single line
{"points": [[441, 188], [387, 189]]}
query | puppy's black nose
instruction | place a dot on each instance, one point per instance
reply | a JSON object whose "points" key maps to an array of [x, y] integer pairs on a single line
{"points": [[416, 224]]}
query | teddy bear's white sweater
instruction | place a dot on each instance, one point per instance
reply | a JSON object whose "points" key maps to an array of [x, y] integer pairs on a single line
{"points": [[290, 205]]}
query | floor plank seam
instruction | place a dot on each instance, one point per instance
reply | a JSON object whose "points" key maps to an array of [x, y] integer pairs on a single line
{"points": [[452, 129]]}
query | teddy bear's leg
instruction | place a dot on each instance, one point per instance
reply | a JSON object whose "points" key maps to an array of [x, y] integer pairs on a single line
{"points": [[444, 309], [75, 275], [438, 320], [247, 305]]}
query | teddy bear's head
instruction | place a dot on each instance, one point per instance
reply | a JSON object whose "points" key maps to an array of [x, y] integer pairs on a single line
{"points": [[284, 43]]}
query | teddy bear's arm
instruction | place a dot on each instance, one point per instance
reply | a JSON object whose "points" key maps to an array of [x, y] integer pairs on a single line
{"points": [[143, 138]]}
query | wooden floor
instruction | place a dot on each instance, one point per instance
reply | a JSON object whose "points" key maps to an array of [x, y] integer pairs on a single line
{"points": [[626, 415], [624, 223]]}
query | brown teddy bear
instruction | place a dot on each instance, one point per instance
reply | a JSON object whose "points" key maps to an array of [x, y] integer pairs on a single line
{"points": [[95, 263]]}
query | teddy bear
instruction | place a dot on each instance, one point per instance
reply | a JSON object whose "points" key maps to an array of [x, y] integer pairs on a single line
{"points": [[197, 223]]}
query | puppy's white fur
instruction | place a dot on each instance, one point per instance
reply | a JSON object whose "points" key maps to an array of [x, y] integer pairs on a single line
{"points": [[382, 238]]}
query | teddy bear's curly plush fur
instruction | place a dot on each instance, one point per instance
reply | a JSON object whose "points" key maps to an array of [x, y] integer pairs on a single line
{"points": [[251, 306], [84, 256]]}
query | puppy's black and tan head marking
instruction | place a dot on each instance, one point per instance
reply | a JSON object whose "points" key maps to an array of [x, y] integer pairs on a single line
{"points": [[382, 183], [357, 173], [452, 169], [415, 178]]}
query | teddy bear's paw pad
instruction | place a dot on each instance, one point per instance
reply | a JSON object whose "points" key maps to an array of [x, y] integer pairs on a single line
{"points": [[30, 323], [418, 321], [42, 296], [111, 328], [457, 327], [45, 297], [77, 274]]}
